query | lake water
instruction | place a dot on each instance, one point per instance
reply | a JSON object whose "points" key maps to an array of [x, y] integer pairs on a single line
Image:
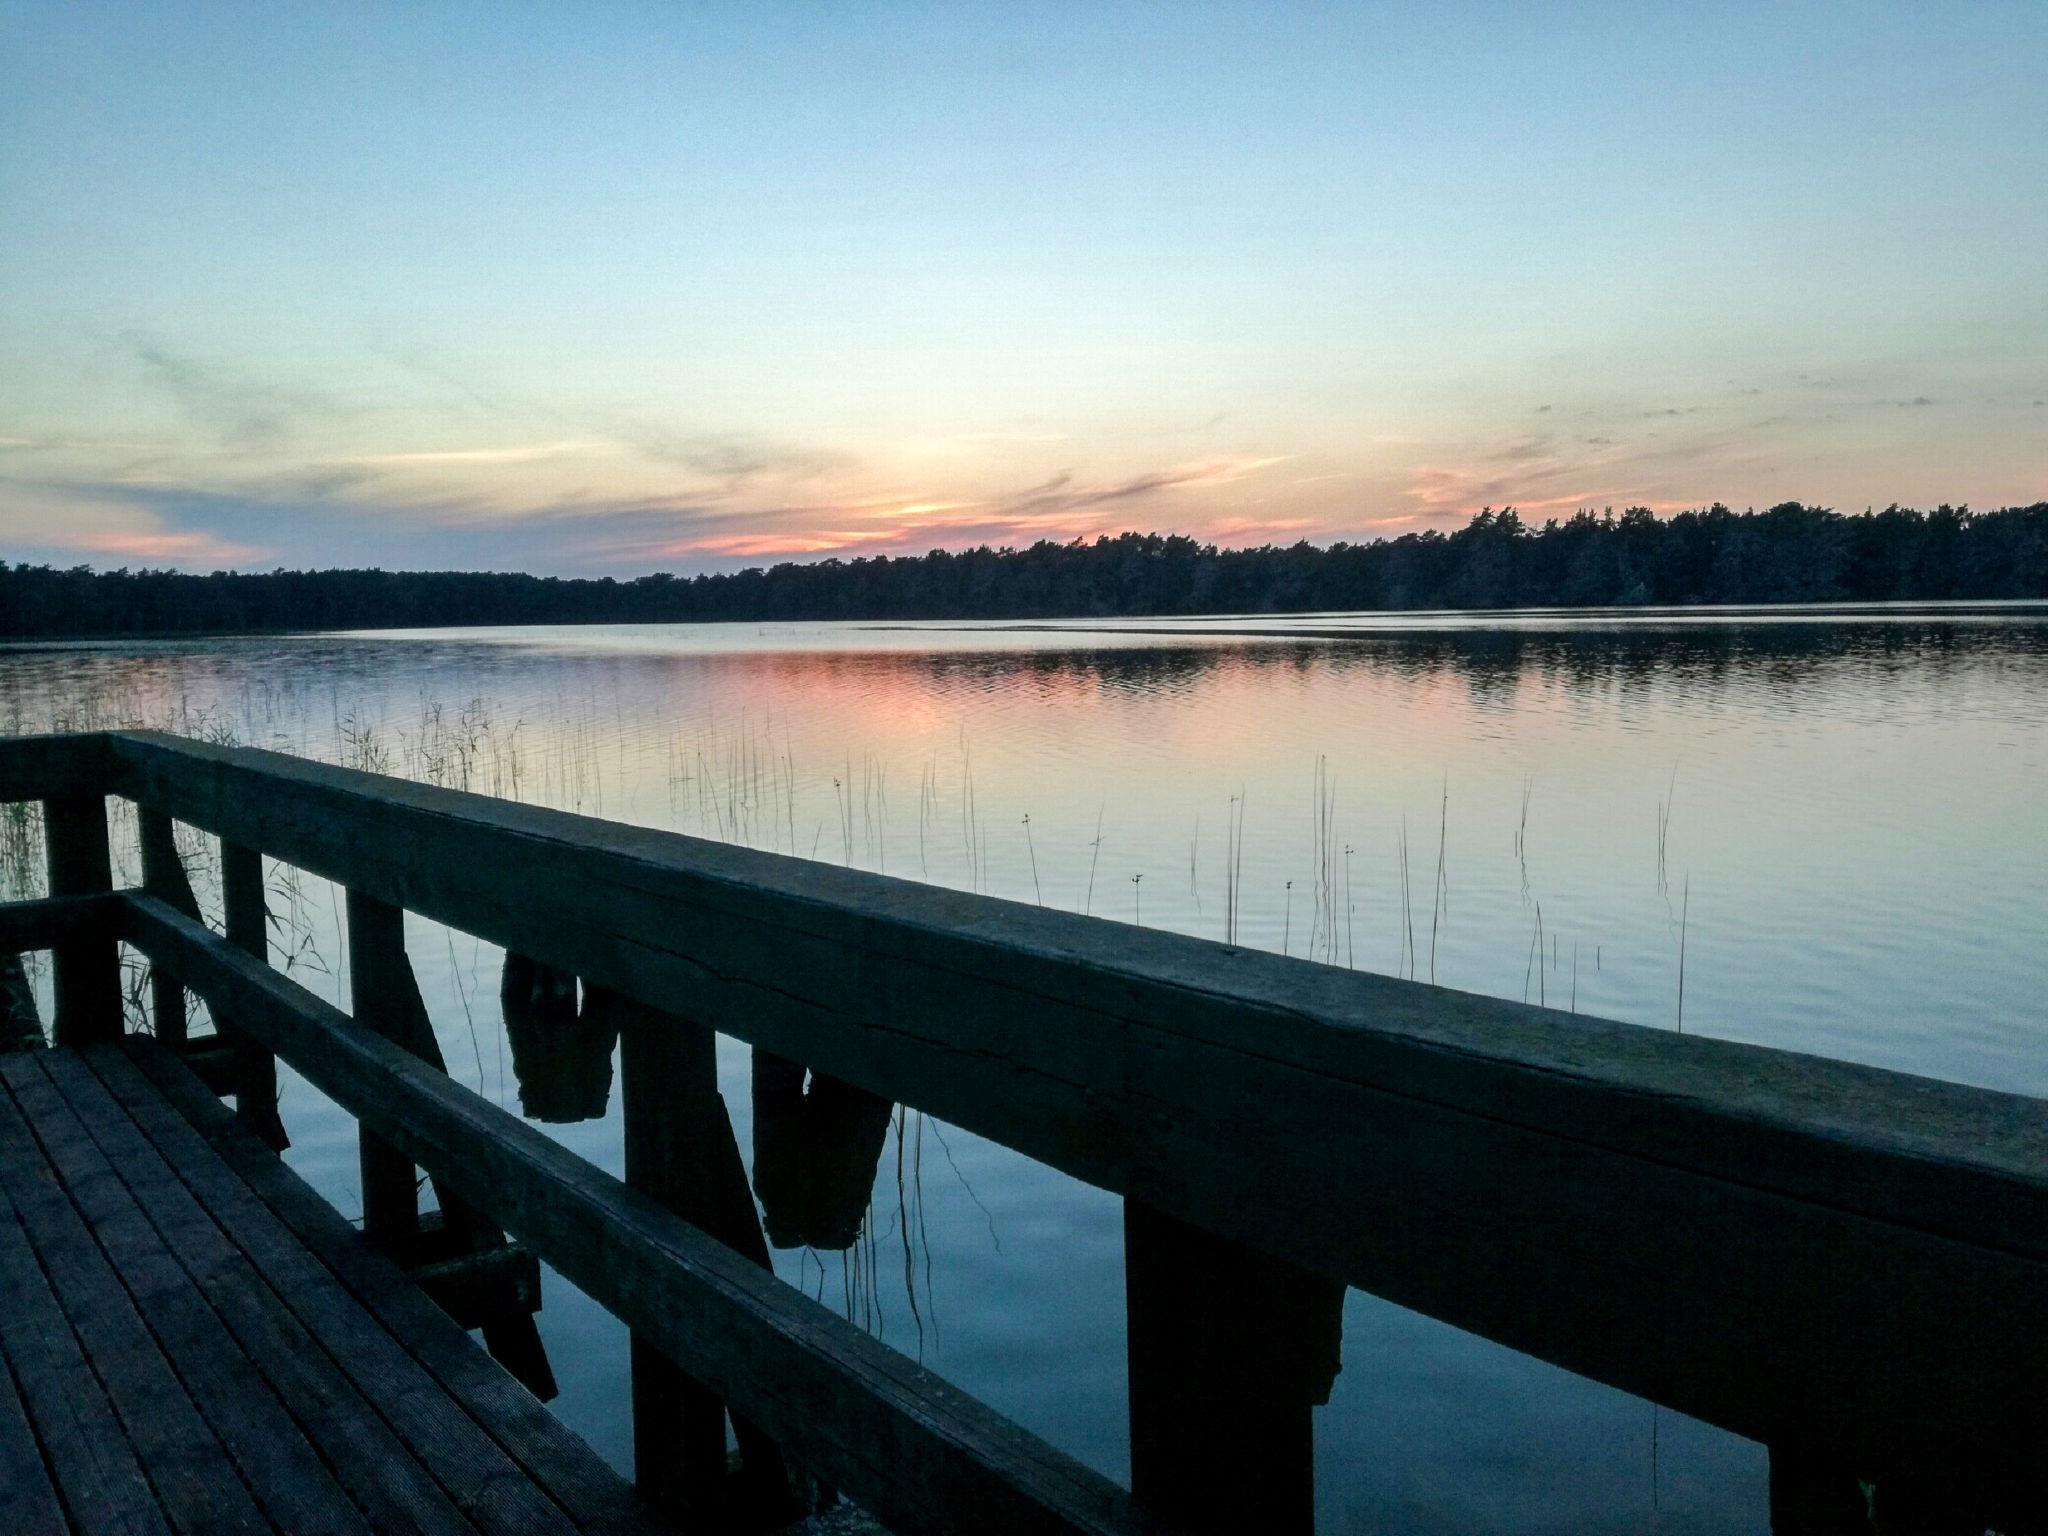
{"points": [[1822, 830]]}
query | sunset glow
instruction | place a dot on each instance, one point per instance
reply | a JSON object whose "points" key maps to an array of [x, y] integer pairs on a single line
{"points": [[610, 291]]}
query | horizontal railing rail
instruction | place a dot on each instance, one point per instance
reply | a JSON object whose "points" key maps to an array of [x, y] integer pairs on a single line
{"points": [[1777, 1243], [44, 924]]}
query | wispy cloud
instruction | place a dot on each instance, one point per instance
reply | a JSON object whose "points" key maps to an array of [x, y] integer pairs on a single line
{"points": [[529, 453], [246, 414]]}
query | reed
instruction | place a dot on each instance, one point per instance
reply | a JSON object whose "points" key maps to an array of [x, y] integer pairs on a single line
{"points": [[1684, 918], [1094, 859], [1037, 893], [1440, 898]]}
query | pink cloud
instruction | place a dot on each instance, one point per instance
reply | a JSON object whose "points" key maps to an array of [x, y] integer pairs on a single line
{"points": [[178, 548]]}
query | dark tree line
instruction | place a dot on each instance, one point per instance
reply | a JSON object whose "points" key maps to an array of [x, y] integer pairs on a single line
{"points": [[1789, 554]]}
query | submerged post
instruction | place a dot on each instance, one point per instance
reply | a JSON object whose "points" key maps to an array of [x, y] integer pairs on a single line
{"points": [[88, 968], [1230, 1350]]}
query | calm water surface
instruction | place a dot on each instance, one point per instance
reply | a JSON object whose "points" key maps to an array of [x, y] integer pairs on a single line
{"points": [[1821, 830]]}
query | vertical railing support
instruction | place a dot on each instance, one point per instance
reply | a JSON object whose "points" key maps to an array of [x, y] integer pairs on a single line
{"points": [[88, 968], [680, 1150], [1230, 1350], [248, 929], [386, 997], [163, 876], [380, 983]]}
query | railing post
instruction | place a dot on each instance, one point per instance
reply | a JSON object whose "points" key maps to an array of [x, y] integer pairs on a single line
{"points": [[88, 969], [1230, 1349], [163, 876], [680, 1150], [386, 997], [248, 929], [379, 976]]}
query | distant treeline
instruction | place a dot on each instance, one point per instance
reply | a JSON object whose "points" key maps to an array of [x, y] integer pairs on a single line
{"points": [[1789, 554]]}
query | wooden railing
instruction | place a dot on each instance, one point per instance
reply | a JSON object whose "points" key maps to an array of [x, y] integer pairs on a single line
{"points": [[1842, 1262]]}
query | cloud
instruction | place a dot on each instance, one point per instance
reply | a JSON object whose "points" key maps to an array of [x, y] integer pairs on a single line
{"points": [[177, 547], [1005, 437], [1237, 530], [734, 458], [1061, 494], [530, 453], [248, 416]]}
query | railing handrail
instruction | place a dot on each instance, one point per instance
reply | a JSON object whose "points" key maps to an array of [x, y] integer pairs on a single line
{"points": [[1406, 1037], [1549, 1180]]}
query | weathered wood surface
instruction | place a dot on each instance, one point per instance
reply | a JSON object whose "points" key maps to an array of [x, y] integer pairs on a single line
{"points": [[680, 1152], [54, 920], [245, 910], [1230, 1351], [52, 767], [164, 877], [386, 996], [1579, 1189], [918, 1452], [88, 975], [289, 1232], [187, 1360]]}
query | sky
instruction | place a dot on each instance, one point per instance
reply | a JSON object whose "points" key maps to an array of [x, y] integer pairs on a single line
{"points": [[609, 288]]}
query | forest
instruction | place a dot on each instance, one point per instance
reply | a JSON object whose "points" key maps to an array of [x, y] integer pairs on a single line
{"points": [[1790, 553]]}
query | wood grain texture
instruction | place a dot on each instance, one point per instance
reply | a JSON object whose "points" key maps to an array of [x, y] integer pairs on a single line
{"points": [[304, 1248], [189, 1471], [282, 1470], [918, 1452]]}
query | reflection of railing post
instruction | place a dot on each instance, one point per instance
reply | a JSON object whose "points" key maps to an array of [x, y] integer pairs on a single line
{"points": [[680, 1151], [88, 969], [248, 924], [1229, 1351], [378, 972]]}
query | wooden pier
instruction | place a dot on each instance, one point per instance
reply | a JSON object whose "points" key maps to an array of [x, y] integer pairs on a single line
{"points": [[198, 1342], [1846, 1264]]}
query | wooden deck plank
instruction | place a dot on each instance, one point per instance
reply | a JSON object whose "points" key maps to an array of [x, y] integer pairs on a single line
{"points": [[492, 1491], [487, 1438], [191, 1474], [91, 1463], [28, 1501], [367, 1460], [577, 1476], [282, 1470]]}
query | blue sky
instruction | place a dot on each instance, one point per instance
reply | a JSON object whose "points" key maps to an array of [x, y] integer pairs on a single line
{"points": [[622, 287]]}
